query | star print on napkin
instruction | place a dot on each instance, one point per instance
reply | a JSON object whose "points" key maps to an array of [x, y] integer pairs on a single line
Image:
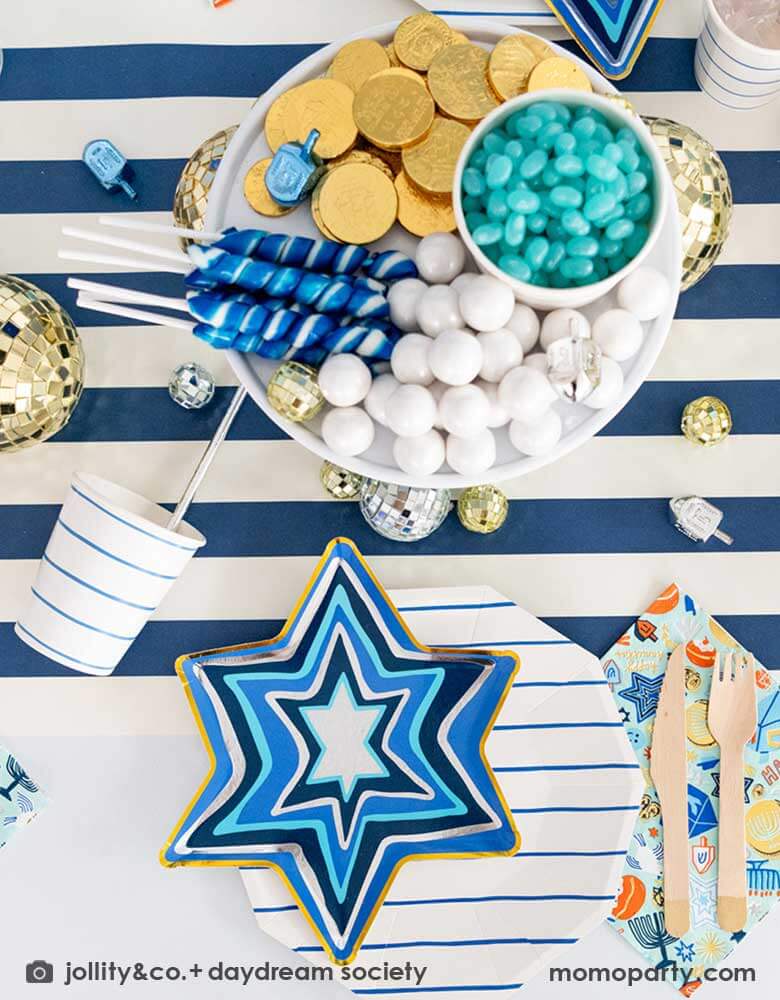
{"points": [[342, 749]]}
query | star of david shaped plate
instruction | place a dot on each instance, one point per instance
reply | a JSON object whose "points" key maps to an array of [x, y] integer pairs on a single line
{"points": [[342, 749]]}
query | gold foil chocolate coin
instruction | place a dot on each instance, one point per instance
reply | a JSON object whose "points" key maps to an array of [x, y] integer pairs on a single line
{"points": [[558, 72], [458, 82], [314, 205], [276, 120], [357, 203], [256, 193], [327, 106], [420, 213], [393, 111], [430, 164], [419, 38], [363, 156], [410, 74], [511, 62], [357, 61]]}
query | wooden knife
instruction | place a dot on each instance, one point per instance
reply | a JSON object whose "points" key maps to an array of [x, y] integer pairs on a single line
{"points": [[669, 771]]}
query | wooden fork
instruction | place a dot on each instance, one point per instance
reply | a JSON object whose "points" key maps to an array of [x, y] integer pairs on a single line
{"points": [[731, 718]]}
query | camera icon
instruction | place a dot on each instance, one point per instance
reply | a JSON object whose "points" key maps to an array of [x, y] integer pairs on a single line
{"points": [[39, 972]]}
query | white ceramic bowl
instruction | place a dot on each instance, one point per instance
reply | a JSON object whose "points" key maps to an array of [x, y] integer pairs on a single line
{"points": [[560, 298]]}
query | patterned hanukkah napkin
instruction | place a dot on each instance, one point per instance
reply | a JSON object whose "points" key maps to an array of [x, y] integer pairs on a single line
{"points": [[20, 797], [634, 668]]}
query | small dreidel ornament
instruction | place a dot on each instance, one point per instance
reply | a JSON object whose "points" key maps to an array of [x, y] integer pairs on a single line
{"points": [[574, 366], [294, 171], [109, 166], [698, 519]]}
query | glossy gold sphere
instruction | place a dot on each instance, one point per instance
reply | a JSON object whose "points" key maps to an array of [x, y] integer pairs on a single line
{"points": [[192, 191], [482, 509]]}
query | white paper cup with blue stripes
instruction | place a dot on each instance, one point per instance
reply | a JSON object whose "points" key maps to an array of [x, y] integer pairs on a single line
{"points": [[109, 563], [733, 72]]}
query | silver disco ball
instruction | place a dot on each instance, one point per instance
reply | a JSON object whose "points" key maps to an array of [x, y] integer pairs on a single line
{"points": [[403, 513]]}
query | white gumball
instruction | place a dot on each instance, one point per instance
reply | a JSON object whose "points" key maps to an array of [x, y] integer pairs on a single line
{"points": [[501, 351], [455, 357], [440, 257], [645, 293], [487, 303], [344, 379], [471, 456], [348, 430], [609, 388], [497, 415], [409, 359], [462, 280], [537, 361], [382, 387], [403, 298], [563, 323], [539, 437], [464, 410], [437, 390], [420, 456], [526, 394], [524, 324], [410, 410], [438, 310], [618, 333]]}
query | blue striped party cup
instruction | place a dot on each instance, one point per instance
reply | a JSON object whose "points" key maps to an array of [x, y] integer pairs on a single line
{"points": [[109, 563], [732, 71]]}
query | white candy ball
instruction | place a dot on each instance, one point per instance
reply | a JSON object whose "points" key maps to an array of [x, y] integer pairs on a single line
{"points": [[609, 388], [420, 456], [410, 410], [487, 303], [438, 310], [344, 379], [645, 293], [409, 359], [497, 416], [348, 430], [501, 351], [563, 323], [618, 333], [537, 361], [464, 411], [524, 324], [455, 357], [526, 394], [462, 280], [471, 456], [437, 390], [539, 437], [440, 257], [403, 299], [382, 387]]}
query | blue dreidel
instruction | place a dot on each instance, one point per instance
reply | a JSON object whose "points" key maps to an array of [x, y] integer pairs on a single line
{"points": [[109, 166], [294, 171]]}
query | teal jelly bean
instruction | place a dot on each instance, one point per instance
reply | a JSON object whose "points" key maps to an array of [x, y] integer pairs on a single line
{"points": [[495, 141], [630, 161], [636, 240], [536, 252], [514, 229], [609, 248], [584, 127], [498, 172], [636, 182], [533, 164], [619, 187], [555, 255], [476, 219], [613, 152], [639, 206], [578, 183], [550, 176], [471, 204], [478, 159], [550, 208], [528, 125], [600, 268], [582, 246], [626, 135], [602, 134], [587, 148], [515, 149], [569, 165], [515, 266], [558, 280], [543, 109], [575, 223], [566, 197], [546, 138], [497, 207], [619, 229], [616, 263], [576, 268], [474, 182], [565, 144], [556, 231], [617, 213], [599, 205], [492, 252], [601, 168], [524, 201], [488, 233], [594, 186], [537, 222]]}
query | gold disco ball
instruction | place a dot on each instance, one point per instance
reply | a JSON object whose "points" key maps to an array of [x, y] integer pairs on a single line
{"points": [[703, 191], [192, 191], [41, 365]]}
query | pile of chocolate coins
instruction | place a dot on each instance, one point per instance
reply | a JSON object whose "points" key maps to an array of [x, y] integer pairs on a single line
{"points": [[392, 120]]}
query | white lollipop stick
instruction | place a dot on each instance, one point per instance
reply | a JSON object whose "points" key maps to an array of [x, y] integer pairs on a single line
{"points": [[123, 244], [113, 309], [141, 226], [115, 293], [110, 259]]}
